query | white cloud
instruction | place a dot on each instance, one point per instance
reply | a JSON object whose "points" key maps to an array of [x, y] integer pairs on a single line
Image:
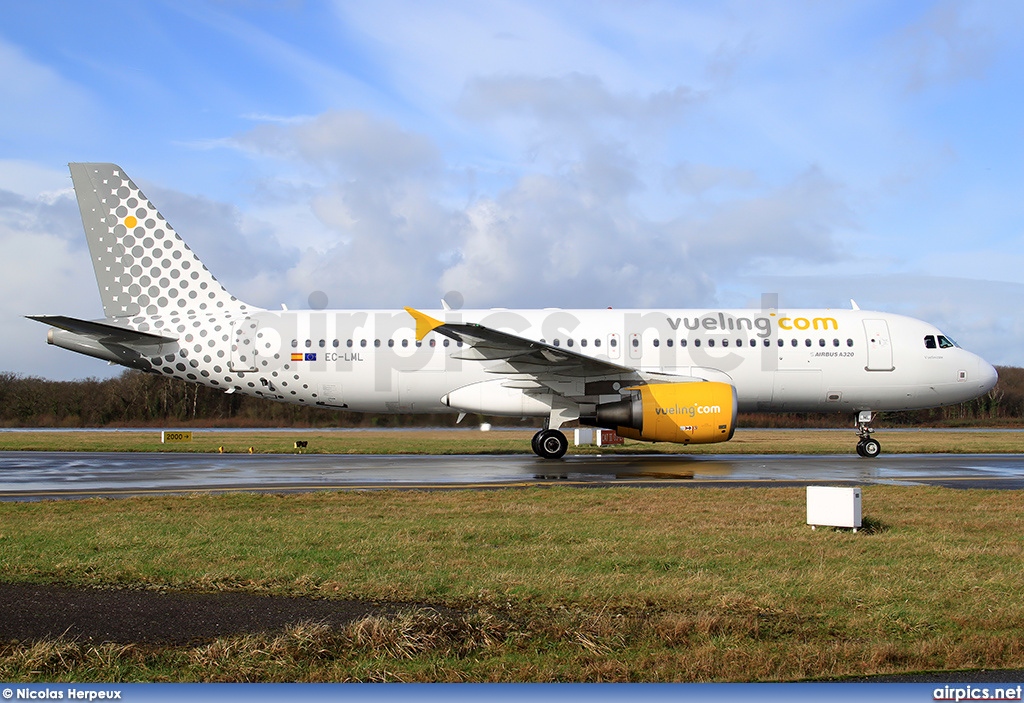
{"points": [[45, 270], [33, 181], [561, 241], [347, 144], [945, 47], [574, 98]]}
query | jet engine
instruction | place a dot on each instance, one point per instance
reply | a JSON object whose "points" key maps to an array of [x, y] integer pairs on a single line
{"points": [[699, 412]]}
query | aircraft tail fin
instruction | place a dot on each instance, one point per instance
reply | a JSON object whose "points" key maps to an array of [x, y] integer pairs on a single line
{"points": [[142, 266]]}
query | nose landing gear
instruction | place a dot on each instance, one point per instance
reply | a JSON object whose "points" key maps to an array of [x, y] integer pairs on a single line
{"points": [[867, 447]]}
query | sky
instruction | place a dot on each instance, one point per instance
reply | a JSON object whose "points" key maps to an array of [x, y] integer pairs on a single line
{"points": [[528, 154]]}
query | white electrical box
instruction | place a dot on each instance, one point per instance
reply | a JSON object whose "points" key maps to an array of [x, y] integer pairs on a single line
{"points": [[833, 507], [584, 435]]}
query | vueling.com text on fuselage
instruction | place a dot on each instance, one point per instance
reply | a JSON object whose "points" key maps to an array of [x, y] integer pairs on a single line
{"points": [[721, 322]]}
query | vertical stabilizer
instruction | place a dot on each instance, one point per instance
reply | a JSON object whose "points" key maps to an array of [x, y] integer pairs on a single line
{"points": [[142, 266]]}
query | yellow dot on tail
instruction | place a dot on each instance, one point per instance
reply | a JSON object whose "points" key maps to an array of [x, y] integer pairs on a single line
{"points": [[130, 222]]}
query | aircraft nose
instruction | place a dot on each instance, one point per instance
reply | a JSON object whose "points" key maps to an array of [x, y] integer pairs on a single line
{"points": [[987, 375]]}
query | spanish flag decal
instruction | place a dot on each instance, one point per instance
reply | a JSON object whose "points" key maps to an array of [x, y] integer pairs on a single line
{"points": [[297, 356]]}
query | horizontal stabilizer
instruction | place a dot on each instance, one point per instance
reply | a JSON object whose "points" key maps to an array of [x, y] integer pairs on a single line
{"points": [[102, 331]]}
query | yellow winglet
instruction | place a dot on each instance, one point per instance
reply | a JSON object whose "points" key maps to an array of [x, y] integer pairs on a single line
{"points": [[424, 323]]}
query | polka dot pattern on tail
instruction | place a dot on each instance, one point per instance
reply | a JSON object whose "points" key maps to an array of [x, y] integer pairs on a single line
{"points": [[142, 266]]}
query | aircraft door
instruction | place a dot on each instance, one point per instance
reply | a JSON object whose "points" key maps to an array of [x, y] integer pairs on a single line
{"points": [[879, 346], [243, 345]]}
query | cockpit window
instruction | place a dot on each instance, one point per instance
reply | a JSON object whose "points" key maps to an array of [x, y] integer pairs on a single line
{"points": [[939, 341]]}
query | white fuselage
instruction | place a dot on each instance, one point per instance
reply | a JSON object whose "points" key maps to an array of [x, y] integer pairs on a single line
{"points": [[778, 360]]}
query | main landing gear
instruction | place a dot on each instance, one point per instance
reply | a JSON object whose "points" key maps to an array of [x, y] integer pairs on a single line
{"points": [[867, 447], [549, 444]]}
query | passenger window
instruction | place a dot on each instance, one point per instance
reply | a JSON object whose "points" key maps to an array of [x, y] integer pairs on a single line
{"points": [[433, 342], [725, 342], [391, 342], [348, 343], [794, 343], [597, 342], [295, 344], [821, 342], [636, 342], [568, 342], [835, 342], [583, 342], [669, 342], [614, 342], [682, 342], [447, 342], [849, 342], [657, 342], [335, 343], [309, 343], [807, 342], [696, 342], [711, 342], [557, 343], [323, 343], [929, 342], [362, 342], [405, 342]]}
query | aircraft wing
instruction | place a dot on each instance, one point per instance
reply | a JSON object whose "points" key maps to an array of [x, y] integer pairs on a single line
{"points": [[103, 332], [564, 371]]}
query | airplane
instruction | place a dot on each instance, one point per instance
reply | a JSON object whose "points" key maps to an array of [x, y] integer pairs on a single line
{"points": [[655, 375]]}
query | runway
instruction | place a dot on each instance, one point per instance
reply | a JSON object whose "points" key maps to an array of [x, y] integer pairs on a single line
{"points": [[62, 475]]}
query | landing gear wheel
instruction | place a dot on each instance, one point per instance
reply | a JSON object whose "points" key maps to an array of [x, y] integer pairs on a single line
{"points": [[550, 444], [869, 448]]}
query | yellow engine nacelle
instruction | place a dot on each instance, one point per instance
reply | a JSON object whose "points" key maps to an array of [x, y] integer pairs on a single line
{"points": [[700, 412]]}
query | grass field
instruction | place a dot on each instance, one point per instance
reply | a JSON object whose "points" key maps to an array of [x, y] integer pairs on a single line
{"points": [[445, 441], [546, 584]]}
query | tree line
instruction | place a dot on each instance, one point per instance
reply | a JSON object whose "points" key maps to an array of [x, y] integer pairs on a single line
{"points": [[136, 399]]}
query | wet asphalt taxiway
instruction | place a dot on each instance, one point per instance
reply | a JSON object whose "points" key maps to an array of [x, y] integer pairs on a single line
{"points": [[56, 475]]}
